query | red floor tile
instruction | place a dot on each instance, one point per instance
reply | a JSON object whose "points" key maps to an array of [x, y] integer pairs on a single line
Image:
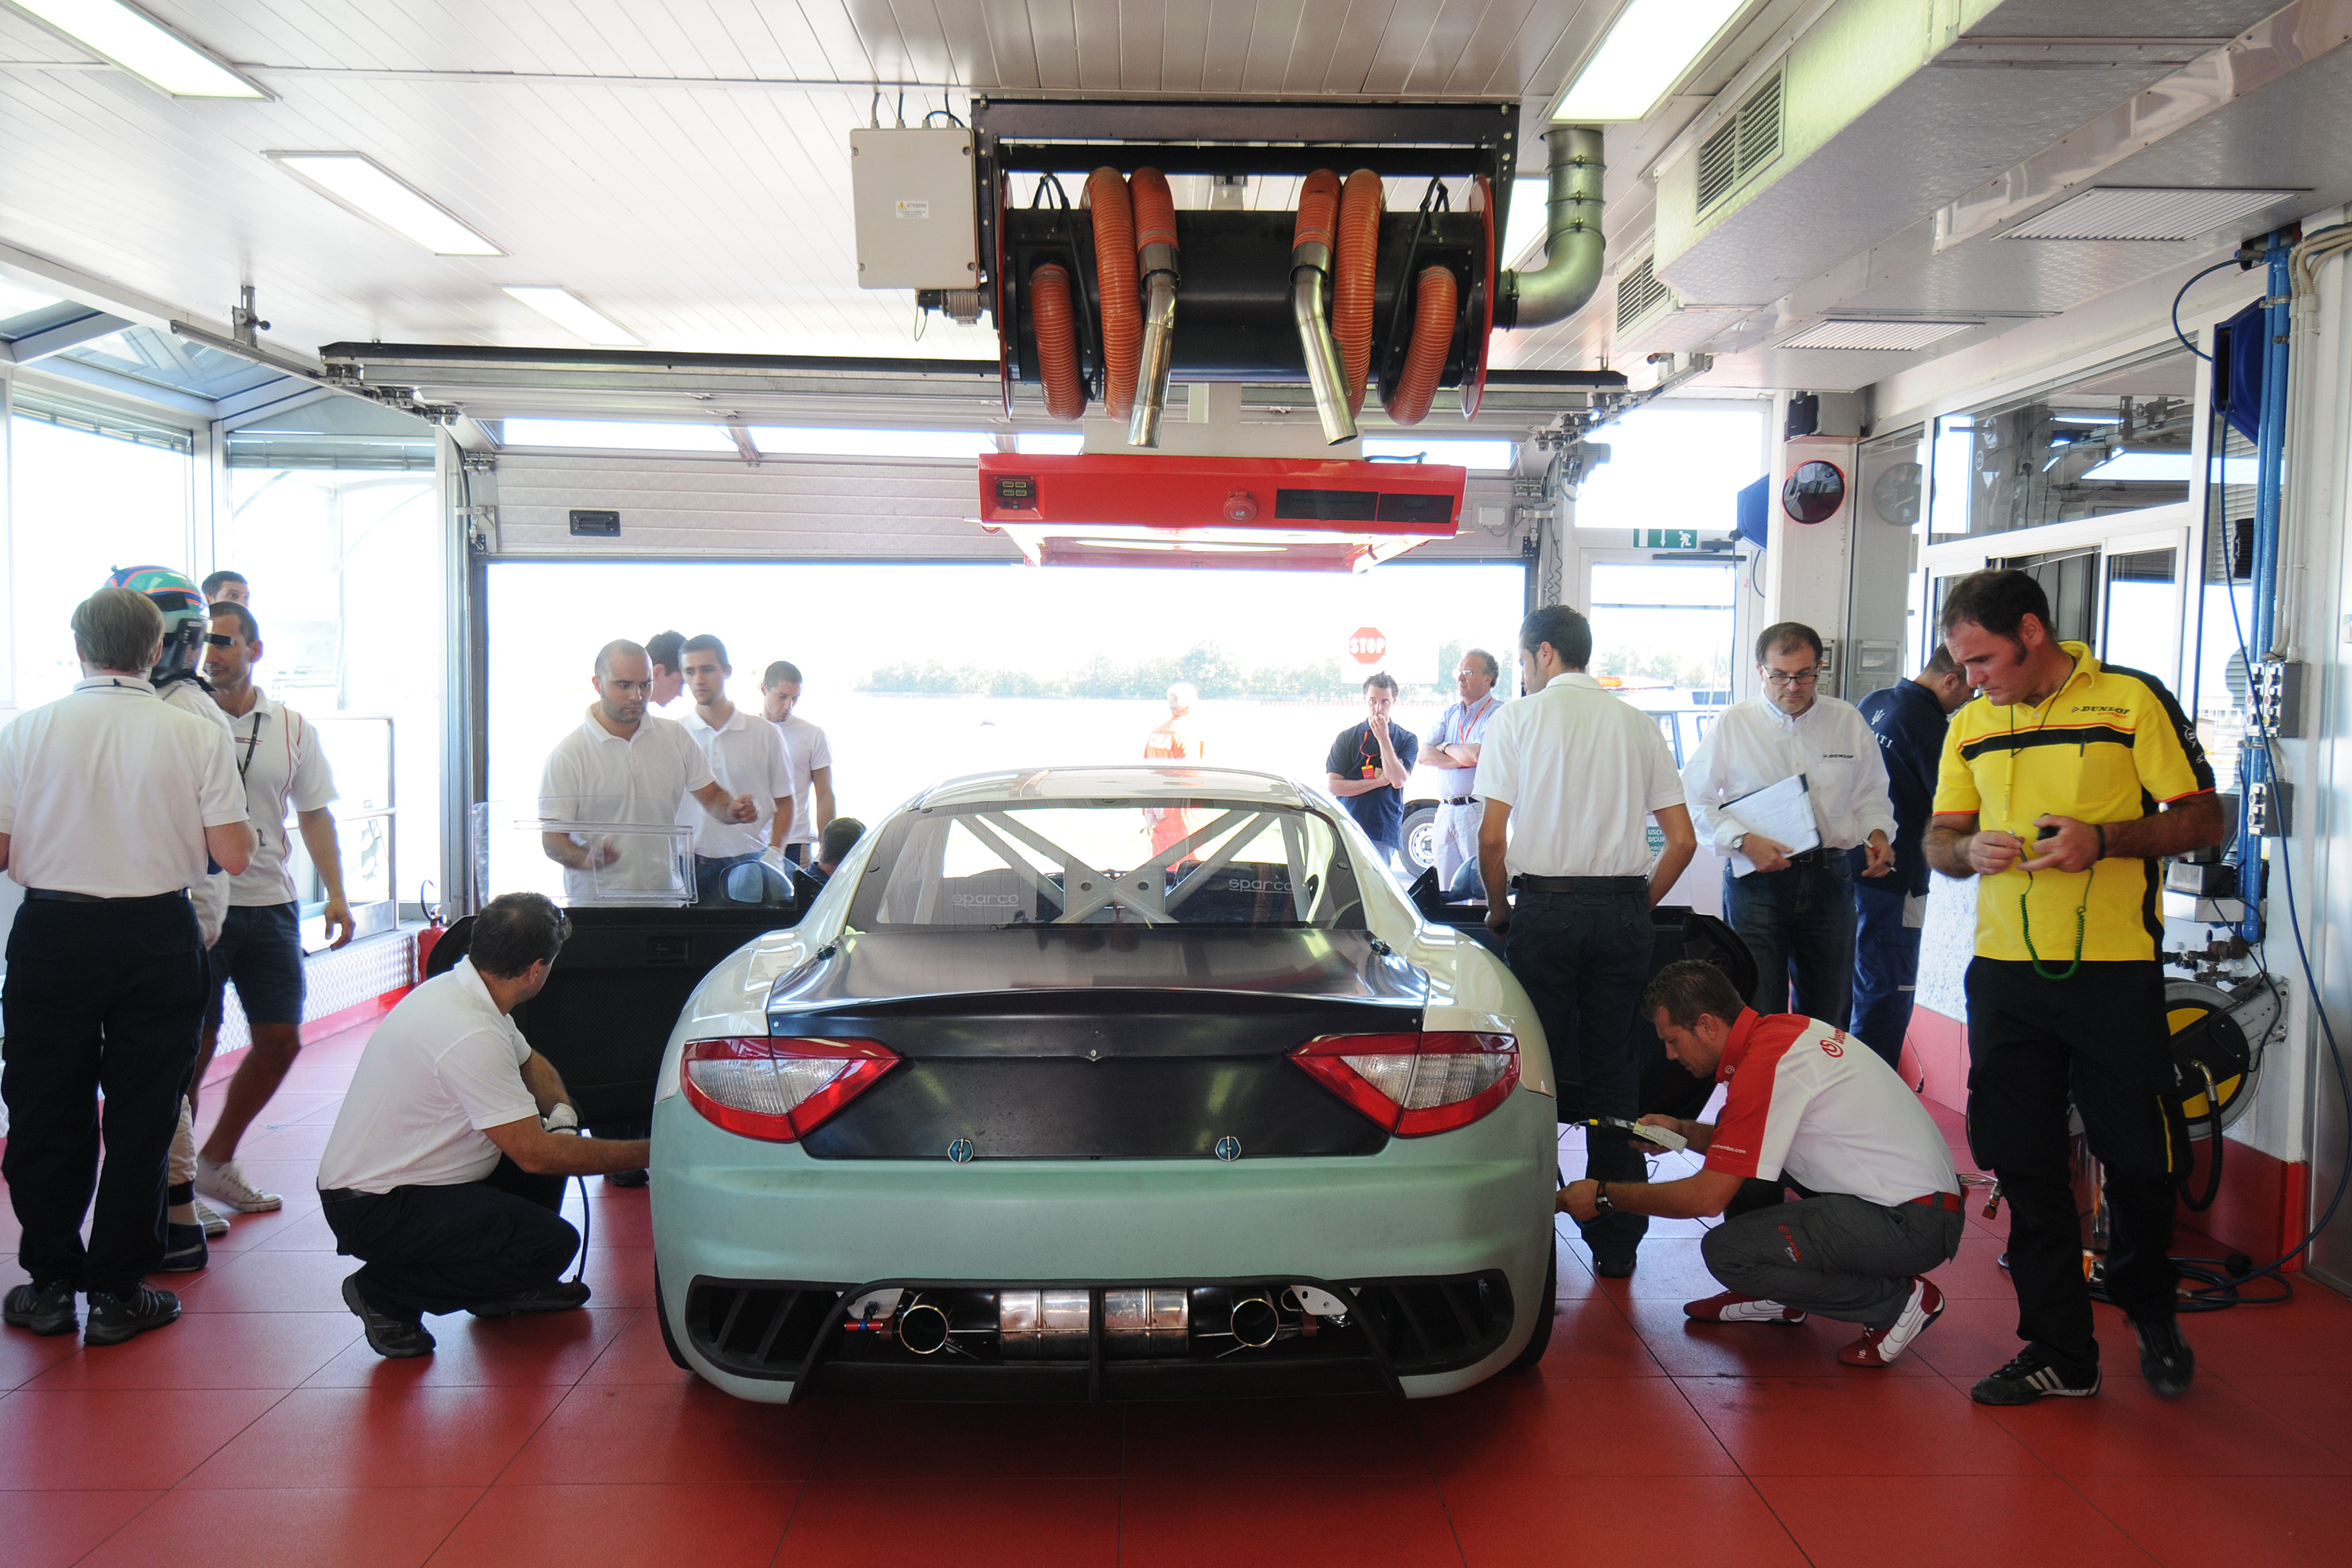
{"points": [[622, 1220], [2311, 1334], [1591, 1338], [1690, 1349], [2257, 1522], [293, 1141], [125, 1438], [1518, 1521], [637, 1355], [877, 1442], [213, 1350], [553, 1348], [248, 1232], [1976, 1272], [307, 1232], [710, 1525], [643, 1432], [2127, 1430], [275, 1281], [1857, 1424], [1666, 1268], [620, 1277], [25, 1356], [1366, 1435], [52, 1528], [372, 1527], [1521, 1425], [1362, 1521], [381, 1437], [2317, 1406], [972, 1524], [1964, 1521]]}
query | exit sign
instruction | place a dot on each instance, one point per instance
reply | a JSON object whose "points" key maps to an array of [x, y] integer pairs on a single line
{"points": [[1666, 538]]}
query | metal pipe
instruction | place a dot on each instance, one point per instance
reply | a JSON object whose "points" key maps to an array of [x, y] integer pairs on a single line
{"points": [[1255, 1321], [1309, 265], [2270, 441], [1572, 239], [1159, 346], [923, 1329]]}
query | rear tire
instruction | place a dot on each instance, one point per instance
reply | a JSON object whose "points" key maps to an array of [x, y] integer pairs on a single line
{"points": [[669, 1344], [1421, 839], [1549, 1308]]}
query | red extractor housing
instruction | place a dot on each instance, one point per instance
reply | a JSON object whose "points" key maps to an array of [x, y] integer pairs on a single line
{"points": [[1254, 513]]}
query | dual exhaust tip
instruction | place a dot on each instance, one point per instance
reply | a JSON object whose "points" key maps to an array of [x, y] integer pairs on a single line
{"points": [[924, 1329]]}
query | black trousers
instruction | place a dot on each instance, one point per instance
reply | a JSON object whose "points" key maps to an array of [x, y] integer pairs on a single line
{"points": [[445, 1249], [1583, 958], [2098, 1038], [99, 997]]}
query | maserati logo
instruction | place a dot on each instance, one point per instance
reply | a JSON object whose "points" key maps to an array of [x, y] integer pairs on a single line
{"points": [[961, 1151], [1229, 1147]]}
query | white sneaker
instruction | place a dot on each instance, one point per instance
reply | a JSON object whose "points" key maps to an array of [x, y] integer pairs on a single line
{"points": [[225, 1184], [216, 1226], [1731, 1307]]}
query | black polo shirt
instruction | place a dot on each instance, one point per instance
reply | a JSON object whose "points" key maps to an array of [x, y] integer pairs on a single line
{"points": [[1357, 755]]}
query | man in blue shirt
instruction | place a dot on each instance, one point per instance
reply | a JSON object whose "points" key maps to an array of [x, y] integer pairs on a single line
{"points": [[1453, 750], [1369, 765], [1908, 718]]}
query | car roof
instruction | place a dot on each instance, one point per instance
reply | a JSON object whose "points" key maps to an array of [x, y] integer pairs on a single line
{"points": [[1140, 782]]}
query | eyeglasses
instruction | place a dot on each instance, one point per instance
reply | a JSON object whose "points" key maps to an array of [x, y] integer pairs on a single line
{"points": [[1780, 683], [220, 640]]}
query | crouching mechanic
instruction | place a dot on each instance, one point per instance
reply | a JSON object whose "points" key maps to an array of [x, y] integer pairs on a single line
{"points": [[443, 1174], [1810, 1104]]}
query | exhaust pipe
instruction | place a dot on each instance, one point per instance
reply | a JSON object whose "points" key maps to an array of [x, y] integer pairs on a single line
{"points": [[1155, 239], [923, 1328], [1572, 238], [1310, 268], [1255, 1321]]}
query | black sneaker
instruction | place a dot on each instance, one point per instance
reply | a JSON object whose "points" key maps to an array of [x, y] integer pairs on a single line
{"points": [[2035, 1373], [398, 1338], [2165, 1358], [560, 1297], [626, 1178], [183, 1249], [45, 1310], [113, 1319]]}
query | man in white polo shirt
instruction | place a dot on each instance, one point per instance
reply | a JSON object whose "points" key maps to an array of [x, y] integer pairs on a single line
{"points": [[624, 767], [746, 754], [811, 756], [444, 1174], [111, 805], [1811, 1105], [1572, 778]]}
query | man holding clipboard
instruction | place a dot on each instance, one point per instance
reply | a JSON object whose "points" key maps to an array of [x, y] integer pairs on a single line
{"points": [[1782, 787]]}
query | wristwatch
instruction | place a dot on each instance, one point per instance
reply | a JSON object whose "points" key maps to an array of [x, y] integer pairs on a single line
{"points": [[1600, 1204]]}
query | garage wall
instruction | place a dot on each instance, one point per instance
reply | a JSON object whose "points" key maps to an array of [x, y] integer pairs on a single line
{"points": [[913, 509]]}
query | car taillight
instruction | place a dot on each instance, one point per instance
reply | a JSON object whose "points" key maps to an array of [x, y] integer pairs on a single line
{"points": [[1415, 1084], [779, 1088]]}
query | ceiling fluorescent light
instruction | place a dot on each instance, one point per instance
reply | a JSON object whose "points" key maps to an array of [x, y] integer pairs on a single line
{"points": [[144, 46], [358, 182], [2145, 212], [575, 315], [1648, 47], [1893, 337]]}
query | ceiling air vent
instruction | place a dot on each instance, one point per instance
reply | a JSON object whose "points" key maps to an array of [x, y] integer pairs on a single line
{"points": [[1742, 144], [2144, 213], [1893, 337], [1639, 292]]}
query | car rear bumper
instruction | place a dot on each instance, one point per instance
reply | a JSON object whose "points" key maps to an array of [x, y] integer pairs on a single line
{"points": [[1459, 1205]]}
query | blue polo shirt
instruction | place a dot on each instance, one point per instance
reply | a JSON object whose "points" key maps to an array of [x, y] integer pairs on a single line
{"points": [[1909, 723]]}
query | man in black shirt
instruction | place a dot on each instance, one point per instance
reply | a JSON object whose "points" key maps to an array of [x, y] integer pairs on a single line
{"points": [[1369, 765]]}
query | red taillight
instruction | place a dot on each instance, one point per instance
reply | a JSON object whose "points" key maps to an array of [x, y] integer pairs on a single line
{"points": [[779, 1088], [1415, 1084]]}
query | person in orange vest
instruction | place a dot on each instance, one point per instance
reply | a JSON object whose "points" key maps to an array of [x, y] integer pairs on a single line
{"points": [[1175, 740]]}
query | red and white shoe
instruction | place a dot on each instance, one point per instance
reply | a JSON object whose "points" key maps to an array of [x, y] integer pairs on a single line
{"points": [[1879, 1347], [1731, 1307]]}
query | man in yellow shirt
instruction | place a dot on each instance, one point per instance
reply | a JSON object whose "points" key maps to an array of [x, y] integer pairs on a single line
{"points": [[2061, 791]]}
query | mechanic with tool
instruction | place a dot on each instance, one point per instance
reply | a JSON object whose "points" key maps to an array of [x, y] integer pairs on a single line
{"points": [[1453, 752], [1908, 718], [2060, 791], [1370, 764], [444, 1174], [112, 806], [1880, 1202], [1794, 907], [282, 765], [1571, 776]]}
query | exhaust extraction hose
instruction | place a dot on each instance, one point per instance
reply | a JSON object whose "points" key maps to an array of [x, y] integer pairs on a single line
{"points": [[1155, 241], [1055, 320], [1310, 267], [1355, 266], [1122, 317], [1434, 299]]}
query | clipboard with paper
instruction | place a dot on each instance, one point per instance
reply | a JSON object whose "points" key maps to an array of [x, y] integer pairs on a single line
{"points": [[1782, 812]]}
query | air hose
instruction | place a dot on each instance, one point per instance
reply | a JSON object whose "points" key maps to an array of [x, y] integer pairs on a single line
{"points": [[1434, 298], [1355, 267], [1055, 318], [1122, 314]]}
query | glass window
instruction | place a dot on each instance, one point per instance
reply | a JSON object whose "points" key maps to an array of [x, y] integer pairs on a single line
{"points": [[2143, 615], [2071, 580], [2114, 441], [1667, 624], [1479, 457], [85, 503], [796, 439], [616, 435], [1673, 468]]}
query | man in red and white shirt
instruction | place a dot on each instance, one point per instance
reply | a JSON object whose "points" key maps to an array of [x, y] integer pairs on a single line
{"points": [[1811, 1106]]}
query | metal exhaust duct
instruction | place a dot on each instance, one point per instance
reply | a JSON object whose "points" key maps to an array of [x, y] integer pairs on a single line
{"points": [[1572, 239]]}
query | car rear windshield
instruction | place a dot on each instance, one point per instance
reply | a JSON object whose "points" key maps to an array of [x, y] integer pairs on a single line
{"points": [[1110, 863]]}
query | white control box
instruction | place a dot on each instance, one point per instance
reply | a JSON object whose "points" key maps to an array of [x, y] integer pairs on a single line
{"points": [[911, 195]]}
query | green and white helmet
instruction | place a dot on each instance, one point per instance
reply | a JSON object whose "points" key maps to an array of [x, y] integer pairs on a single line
{"points": [[187, 617]]}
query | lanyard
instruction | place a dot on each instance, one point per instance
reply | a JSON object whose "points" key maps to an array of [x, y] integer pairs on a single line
{"points": [[1470, 720], [2008, 803]]}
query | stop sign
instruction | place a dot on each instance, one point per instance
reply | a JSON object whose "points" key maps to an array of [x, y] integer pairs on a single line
{"points": [[1366, 644]]}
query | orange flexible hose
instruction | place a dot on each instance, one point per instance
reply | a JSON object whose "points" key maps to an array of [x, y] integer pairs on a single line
{"points": [[1354, 265], [1155, 209], [1433, 335], [1122, 310], [1319, 200], [1056, 324]]}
